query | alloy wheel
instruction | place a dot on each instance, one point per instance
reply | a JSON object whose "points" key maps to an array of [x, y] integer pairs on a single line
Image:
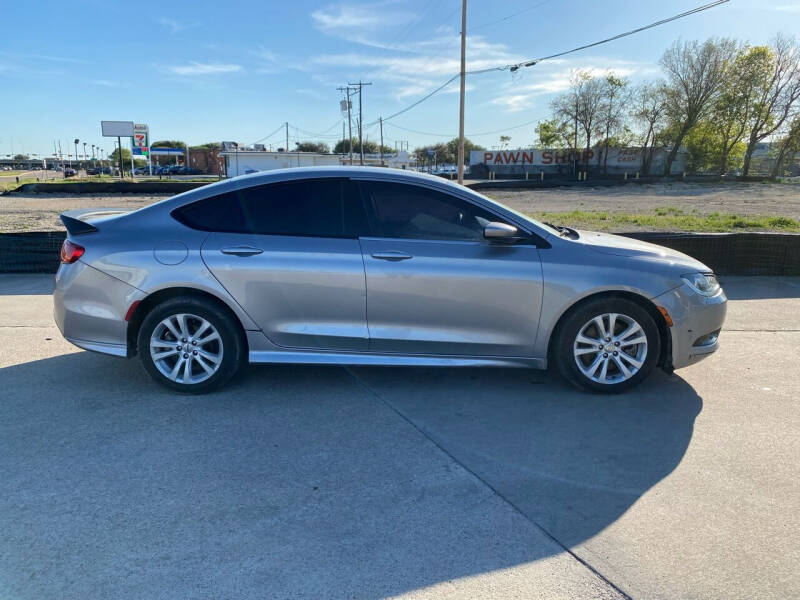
{"points": [[610, 348], [186, 348]]}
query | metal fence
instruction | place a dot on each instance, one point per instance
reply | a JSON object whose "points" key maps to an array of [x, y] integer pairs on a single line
{"points": [[725, 253]]}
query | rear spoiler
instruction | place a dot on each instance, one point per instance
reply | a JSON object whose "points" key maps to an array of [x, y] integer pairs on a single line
{"points": [[75, 226], [77, 221]]}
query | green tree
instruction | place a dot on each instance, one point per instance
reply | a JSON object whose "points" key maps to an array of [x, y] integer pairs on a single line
{"points": [[695, 72], [733, 106], [504, 141], [777, 94], [788, 147], [320, 147], [169, 144], [452, 150], [206, 146], [370, 147], [554, 133]]}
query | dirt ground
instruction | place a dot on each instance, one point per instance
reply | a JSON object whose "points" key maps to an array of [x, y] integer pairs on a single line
{"points": [[774, 199], [39, 212]]}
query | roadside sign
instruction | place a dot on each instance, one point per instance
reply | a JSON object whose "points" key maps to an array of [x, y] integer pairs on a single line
{"points": [[167, 151], [141, 141], [117, 128]]}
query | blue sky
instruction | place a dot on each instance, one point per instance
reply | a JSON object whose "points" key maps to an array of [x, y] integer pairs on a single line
{"points": [[207, 71]]}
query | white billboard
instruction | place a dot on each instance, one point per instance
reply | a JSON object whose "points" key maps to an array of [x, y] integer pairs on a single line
{"points": [[117, 128]]}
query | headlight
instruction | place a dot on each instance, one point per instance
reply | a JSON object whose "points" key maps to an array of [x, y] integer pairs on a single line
{"points": [[705, 284]]}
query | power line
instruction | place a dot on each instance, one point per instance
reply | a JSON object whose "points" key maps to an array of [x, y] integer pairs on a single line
{"points": [[530, 63], [506, 18], [280, 127], [526, 123]]}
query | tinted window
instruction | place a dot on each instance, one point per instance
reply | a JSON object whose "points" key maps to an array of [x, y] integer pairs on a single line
{"points": [[315, 208], [305, 208], [413, 212], [206, 215]]}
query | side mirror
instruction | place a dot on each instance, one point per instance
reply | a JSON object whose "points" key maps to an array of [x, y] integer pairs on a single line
{"points": [[500, 232]]}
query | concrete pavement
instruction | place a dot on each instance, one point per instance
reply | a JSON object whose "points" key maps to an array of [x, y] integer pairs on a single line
{"points": [[442, 483]]}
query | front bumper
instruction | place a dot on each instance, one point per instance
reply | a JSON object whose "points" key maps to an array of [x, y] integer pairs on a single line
{"points": [[695, 320], [89, 308]]}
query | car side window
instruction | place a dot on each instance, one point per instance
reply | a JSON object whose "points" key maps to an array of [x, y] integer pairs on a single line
{"points": [[400, 210], [316, 208], [297, 208], [206, 215]]}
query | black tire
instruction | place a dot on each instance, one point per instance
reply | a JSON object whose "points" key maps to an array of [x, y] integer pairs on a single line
{"points": [[231, 343], [574, 321]]}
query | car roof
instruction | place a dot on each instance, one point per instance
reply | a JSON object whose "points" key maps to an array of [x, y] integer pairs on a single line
{"points": [[300, 173]]}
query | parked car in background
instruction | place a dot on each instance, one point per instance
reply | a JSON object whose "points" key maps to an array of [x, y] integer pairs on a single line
{"points": [[69, 172], [369, 266]]}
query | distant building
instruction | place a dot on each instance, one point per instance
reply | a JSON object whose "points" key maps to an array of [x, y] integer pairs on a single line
{"points": [[400, 160], [207, 160], [530, 160], [248, 161], [241, 160]]}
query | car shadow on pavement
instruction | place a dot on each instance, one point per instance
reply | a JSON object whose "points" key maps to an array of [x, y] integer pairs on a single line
{"points": [[309, 481], [572, 462]]}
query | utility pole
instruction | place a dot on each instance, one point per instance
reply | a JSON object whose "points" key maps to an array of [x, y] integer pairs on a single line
{"points": [[380, 119], [287, 137], [360, 85], [461, 93], [346, 91]]}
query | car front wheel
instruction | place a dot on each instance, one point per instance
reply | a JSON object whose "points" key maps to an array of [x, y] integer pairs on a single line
{"points": [[607, 345], [190, 345]]}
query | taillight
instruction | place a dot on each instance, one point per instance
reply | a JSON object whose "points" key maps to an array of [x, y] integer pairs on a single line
{"points": [[70, 252]]}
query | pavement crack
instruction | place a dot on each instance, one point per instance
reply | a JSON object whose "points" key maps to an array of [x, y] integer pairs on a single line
{"points": [[494, 490]]}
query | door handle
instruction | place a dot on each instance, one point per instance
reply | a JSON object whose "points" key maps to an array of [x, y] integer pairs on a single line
{"points": [[391, 255], [241, 250]]}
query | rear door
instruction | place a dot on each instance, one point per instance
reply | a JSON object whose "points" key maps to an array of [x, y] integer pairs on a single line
{"points": [[436, 286], [289, 254]]}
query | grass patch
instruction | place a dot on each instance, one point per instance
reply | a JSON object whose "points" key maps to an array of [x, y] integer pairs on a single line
{"points": [[669, 219]]}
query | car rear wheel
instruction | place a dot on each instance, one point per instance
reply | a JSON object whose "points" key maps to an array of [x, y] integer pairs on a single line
{"points": [[190, 345], [607, 345]]}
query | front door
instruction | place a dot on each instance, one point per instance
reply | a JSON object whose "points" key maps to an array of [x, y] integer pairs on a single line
{"points": [[436, 286], [289, 256]]}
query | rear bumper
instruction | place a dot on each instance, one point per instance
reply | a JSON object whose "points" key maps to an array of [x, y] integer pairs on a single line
{"points": [[89, 308], [696, 320]]}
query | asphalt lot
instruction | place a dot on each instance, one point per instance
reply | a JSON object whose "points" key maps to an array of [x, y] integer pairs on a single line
{"points": [[318, 482]]}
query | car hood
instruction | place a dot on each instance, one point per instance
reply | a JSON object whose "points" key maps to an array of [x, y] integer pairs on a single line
{"points": [[617, 245]]}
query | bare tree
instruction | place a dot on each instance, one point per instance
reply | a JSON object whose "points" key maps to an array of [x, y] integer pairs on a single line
{"points": [[582, 105], [650, 111], [695, 72], [777, 94], [565, 107], [612, 107]]}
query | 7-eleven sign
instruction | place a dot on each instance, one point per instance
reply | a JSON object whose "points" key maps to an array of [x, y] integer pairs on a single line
{"points": [[141, 140]]}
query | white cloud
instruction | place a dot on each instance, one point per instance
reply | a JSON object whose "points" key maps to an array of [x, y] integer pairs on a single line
{"points": [[197, 68], [365, 24], [790, 8], [425, 64], [174, 25], [533, 85], [348, 16]]}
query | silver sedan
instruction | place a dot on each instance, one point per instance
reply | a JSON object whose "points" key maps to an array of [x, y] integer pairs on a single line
{"points": [[373, 267]]}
